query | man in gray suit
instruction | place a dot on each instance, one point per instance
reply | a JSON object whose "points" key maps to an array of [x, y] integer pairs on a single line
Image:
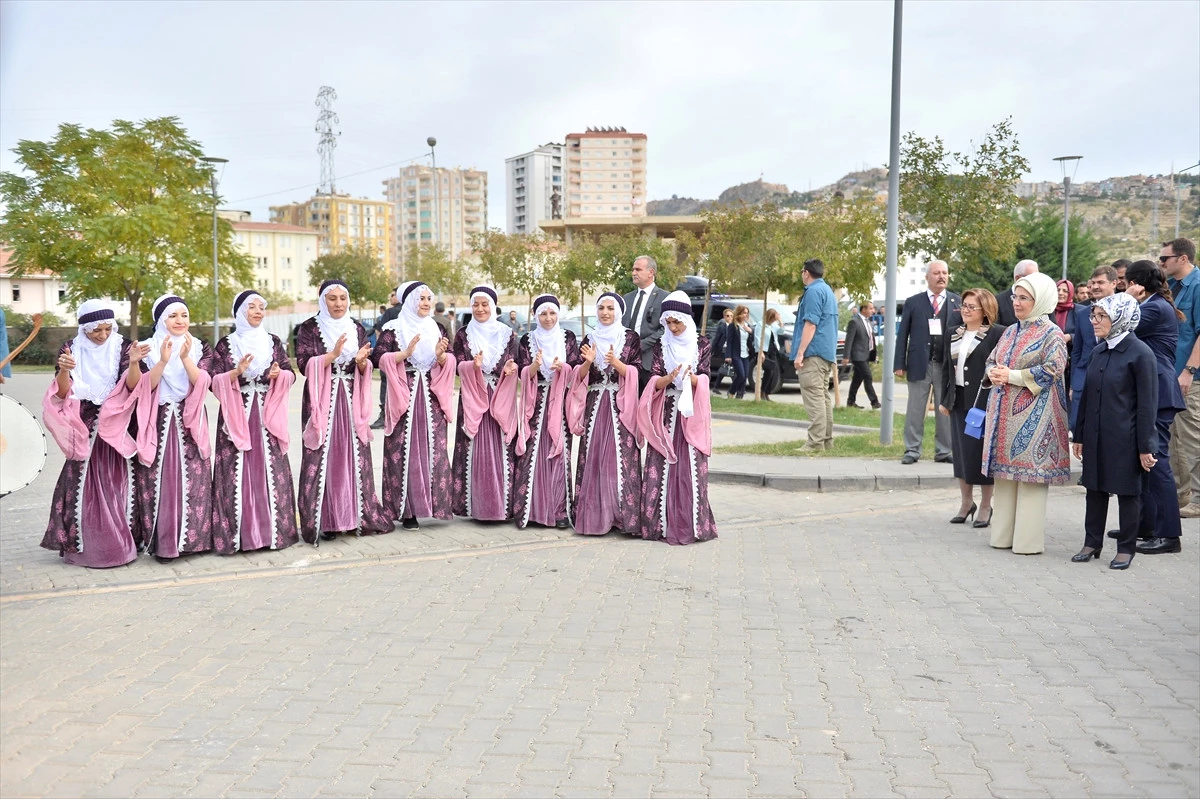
{"points": [[642, 309]]}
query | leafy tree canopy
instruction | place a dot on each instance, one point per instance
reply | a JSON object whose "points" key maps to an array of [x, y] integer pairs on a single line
{"points": [[360, 269], [433, 266], [1040, 230]]}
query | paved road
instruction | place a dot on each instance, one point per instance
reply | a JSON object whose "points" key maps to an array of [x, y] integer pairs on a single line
{"points": [[848, 644]]}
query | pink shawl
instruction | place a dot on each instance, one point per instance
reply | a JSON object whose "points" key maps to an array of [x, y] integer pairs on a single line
{"points": [[559, 385], [275, 409], [627, 400], [474, 398], [319, 387], [62, 420], [119, 407], [399, 393], [697, 430]]}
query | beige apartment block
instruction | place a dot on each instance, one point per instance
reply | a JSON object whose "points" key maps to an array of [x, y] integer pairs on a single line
{"points": [[282, 255], [445, 209], [36, 292], [343, 222], [606, 173]]}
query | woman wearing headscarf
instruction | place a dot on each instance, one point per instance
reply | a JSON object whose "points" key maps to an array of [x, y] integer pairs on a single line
{"points": [[337, 478], [173, 475], [602, 411], [251, 378], [91, 516], [1159, 330], [1025, 435], [411, 351], [1114, 431], [1063, 316], [486, 351], [674, 419], [546, 359], [968, 348]]}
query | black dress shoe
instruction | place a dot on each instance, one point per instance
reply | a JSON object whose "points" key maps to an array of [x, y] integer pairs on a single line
{"points": [[1116, 535], [1157, 546], [1120, 565], [377, 424], [908, 460], [968, 515], [328, 535], [981, 523], [562, 524], [943, 459], [875, 406], [1085, 554], [410, 523], [161, 559]]}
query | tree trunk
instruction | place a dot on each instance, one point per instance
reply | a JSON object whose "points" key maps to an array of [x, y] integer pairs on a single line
{"points": [[134, 299]]}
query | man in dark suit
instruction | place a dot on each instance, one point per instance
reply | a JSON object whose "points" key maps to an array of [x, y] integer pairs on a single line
{"points": [[642, 308], [393, 310], [1102, 283], [1007, 315], [859, 351], [927, 318]]}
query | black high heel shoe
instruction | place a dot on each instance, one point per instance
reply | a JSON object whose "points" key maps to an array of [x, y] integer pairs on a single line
{"points": [[1120, 565], [969, 515], [980, 523], [1083, 555]]}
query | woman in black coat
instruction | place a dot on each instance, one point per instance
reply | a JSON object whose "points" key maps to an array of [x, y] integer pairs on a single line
{"points": [[968, 348], [1114, 431]]}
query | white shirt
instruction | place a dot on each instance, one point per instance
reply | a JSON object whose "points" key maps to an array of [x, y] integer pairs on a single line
{"points": [[866, 322]]}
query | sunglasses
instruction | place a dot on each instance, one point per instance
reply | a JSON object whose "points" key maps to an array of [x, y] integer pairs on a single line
{"points": [[1162, 259]]}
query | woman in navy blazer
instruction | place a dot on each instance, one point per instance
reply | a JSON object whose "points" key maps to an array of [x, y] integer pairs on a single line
{"points": [[1159, 329]]}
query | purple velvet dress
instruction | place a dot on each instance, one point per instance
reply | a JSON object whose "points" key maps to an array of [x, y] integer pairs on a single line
{"points": [[337, 479], [416, 463], [173, 496], [543, 483], [675, 496], [483, 465], [91, 514], [608, 477], [259, 510]]}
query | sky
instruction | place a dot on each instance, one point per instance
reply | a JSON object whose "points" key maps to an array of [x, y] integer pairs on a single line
{"points": [[794, 92]]}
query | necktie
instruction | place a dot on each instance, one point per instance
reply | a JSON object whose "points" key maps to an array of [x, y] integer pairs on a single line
{"points": [[936, 305], [635, 319]]}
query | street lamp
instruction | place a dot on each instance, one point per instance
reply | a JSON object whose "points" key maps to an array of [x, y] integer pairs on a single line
{"points": [[437, 210], [212, 162], [1062, 162]]}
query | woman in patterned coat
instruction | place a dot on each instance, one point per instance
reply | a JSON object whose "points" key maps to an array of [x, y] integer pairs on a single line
{"points": [[419, 374], [1025, 435]]}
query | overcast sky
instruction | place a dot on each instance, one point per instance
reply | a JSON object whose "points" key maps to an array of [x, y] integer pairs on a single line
{"points": [[797, 92]]}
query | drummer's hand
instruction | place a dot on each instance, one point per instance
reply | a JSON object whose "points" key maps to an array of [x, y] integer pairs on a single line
{"points": [[65, 361]]}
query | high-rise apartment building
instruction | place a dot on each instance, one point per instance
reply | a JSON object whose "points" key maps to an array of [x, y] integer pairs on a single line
{"points": [[343, 222], [535, 187], [445, 211], [606, 173]]}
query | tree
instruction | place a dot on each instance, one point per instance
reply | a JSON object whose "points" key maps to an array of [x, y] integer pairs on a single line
{"points": [[1041, 232], [959, 207], [123, 213], [359, 268], [433, 266]]}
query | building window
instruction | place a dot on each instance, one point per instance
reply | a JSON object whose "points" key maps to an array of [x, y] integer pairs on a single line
{"points": [[16, 292], [262, 262], [287, 262], [285, 241], [262, 284], [62, 295]]}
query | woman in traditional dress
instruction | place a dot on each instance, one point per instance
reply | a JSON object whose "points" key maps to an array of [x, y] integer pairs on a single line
{"points": [[91, 515], [251, 377], [337, 478], [486, 351], [1025, 434], [174, 470], [674, 419], [419, 374], [543, 479], [602, 411]]}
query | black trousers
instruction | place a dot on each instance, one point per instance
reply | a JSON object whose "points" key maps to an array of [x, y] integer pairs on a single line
{"points": [[1160, 503], [862, 377], [1129, 509]]}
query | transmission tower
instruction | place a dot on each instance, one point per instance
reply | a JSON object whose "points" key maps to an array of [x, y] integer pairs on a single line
{"points": [[327, 121]]}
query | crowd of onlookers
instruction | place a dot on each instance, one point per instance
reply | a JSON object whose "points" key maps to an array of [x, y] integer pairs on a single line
{"points": [[1104, 370]]}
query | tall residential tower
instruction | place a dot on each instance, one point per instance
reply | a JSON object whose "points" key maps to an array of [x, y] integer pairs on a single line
{"points": [[535, 187], [606, 173], [445, 211]]}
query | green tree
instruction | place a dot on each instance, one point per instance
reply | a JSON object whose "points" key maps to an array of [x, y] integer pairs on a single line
{"points": [[123, 213], [1041, 234], [959, 206], [361, 271], [433, 266]]}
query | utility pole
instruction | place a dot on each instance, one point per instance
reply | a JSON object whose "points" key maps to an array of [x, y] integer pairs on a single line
{"points": [[212, 161], [893, 240], [1063, 160]]}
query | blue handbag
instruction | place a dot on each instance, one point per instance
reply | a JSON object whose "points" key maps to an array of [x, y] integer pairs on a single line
{"points": [[975, 417]]}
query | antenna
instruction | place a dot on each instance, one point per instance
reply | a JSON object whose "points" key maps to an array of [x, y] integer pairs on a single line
{"points": [[326, 121]]}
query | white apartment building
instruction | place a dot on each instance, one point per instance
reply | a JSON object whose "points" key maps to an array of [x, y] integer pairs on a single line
{"points": [[533, 179], [282, 254], [606, 173], [34, 293], [444, 209]]}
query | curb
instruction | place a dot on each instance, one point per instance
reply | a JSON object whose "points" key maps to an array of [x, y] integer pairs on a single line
{"points": [[739, 417], [827, 484]]}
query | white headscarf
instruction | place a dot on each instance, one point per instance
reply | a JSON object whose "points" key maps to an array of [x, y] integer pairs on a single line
{"points": [[249, 340], [410, 323], [175, 385], [550, 343], [608, 336], [333, 329], [1044, 291], [490, 337], [682, 350], [96, 365]]}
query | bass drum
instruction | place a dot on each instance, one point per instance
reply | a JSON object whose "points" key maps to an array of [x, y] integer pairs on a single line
{"points": [[22, 446]]}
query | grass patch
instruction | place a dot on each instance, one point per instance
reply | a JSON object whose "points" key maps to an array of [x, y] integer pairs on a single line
{"points": [[795, 410], [860, 445], [31, 369]]}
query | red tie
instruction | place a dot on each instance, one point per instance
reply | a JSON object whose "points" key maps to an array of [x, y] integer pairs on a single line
{"points": [[936, 307]]}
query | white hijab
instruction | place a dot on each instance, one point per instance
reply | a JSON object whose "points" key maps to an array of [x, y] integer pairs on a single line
{"points": [[333, 329], [682, 350], [490, 337], [96, 365], [247, 339], [608, 336], [175, 385], [410, 323], [550, 343]]}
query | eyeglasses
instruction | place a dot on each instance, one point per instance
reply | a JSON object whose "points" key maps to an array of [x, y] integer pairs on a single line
{"points": [[1098, 316], [966, 307], [1021, 299], [1162, 259]]}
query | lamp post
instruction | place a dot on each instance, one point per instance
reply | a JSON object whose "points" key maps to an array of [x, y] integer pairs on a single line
{"points": [[212, 162], [1062, 162], [437, 210], [893, 219]]}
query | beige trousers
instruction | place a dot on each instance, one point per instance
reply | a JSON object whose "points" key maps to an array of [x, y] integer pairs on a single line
{"points": [[1185, 447], [818, 402], [1019, 516]]}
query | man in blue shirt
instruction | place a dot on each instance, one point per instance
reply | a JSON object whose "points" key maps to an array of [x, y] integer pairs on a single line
{"points": [[814, 350], [1178, 260]]}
